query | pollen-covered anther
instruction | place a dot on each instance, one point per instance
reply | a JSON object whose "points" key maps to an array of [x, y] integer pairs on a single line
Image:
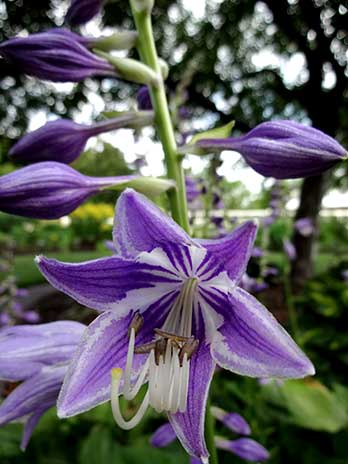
{"points": [[136, 324], [188, 348]]}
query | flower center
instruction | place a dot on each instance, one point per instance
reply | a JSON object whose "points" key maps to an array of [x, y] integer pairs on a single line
{"points": [[167, 366]]}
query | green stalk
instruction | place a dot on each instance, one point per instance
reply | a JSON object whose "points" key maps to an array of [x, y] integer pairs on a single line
{"points": [[178, 202], [147, 50]]}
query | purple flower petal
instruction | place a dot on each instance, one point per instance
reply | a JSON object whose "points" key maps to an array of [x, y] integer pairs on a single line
{"points": [[163, 436], [189, 426], [283, 149], [104, 347], [142, 226], [38, 392], [245, 448], [233, 250], [289, 249], [252, 343], [143, 98], [30, 425], [24, 350], [110, 284], [304, 226]]}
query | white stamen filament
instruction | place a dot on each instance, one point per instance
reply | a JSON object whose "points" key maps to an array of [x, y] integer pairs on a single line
{"points": [[168, 375]]}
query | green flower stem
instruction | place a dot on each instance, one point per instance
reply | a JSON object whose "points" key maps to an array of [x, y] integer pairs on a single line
{"points": [[210, 434], [147, 50]]}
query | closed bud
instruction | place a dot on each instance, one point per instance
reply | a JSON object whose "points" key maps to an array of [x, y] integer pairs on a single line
{"points": [[245, 448], [50, 190], [163, 436], [121, 40], [54, 56], [81, 11], [143, 6], [282, 149], [232, 420], [64, 140]]}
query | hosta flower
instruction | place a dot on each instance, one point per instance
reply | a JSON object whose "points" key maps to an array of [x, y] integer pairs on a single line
{"points": [[54, 56], [289, 249], [50, 190], [81, 11], [37, 356], [171, 309], [64, 140], [232, 420], [283, 149]]}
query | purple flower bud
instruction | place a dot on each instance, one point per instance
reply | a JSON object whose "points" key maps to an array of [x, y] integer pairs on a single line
{"points": [[22, 292], [163, 436], [82, 11], [32, 317], [64, 140], [54, 56], [283, 149], [270, 271], [5, 319], [252, 285], [144, 99], [49, 190], [289, 249], [192, 189], [257, 252], [245, 448], [344, 275], [304, 226], [232, 420]]}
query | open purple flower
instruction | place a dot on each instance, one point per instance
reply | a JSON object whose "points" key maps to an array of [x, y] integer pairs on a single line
{"points": [[50, 190], [54, 56], [82, 11], [37, 356], [171, 309], [64, 140], [283, 149]]}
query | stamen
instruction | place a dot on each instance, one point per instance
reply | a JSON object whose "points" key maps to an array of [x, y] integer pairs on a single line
{"points": [[167, 366], [116, 375], [189, 348], [136, 324]]}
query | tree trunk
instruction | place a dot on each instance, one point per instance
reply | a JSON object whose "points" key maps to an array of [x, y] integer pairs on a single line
{"points": [[312, 192]]}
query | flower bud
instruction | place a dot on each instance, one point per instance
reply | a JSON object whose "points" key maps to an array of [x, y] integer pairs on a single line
{"points": [[163, 436], [64, 140], [245, 448], [304, 226], [232, 420], [282, 149], [81, 11], [143, 98], [289, 249], [50, 190], [54, 56]]}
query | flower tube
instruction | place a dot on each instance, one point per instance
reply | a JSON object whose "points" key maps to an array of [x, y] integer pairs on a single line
{"points": [[50, 190], [64, 140], [54, 56], [282, 149]]}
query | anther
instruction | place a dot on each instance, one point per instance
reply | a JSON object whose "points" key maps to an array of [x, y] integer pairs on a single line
{"points": [[189, 348], [160, 349], [171, 336], [136, 324], [146, 348]]}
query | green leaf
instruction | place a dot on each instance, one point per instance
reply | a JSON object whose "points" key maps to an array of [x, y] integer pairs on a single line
{"points": [[99, 448], [311, 404], [216, 133]]}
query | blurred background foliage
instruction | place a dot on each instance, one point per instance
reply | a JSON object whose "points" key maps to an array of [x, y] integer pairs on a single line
{"points": [[232, 57]]}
